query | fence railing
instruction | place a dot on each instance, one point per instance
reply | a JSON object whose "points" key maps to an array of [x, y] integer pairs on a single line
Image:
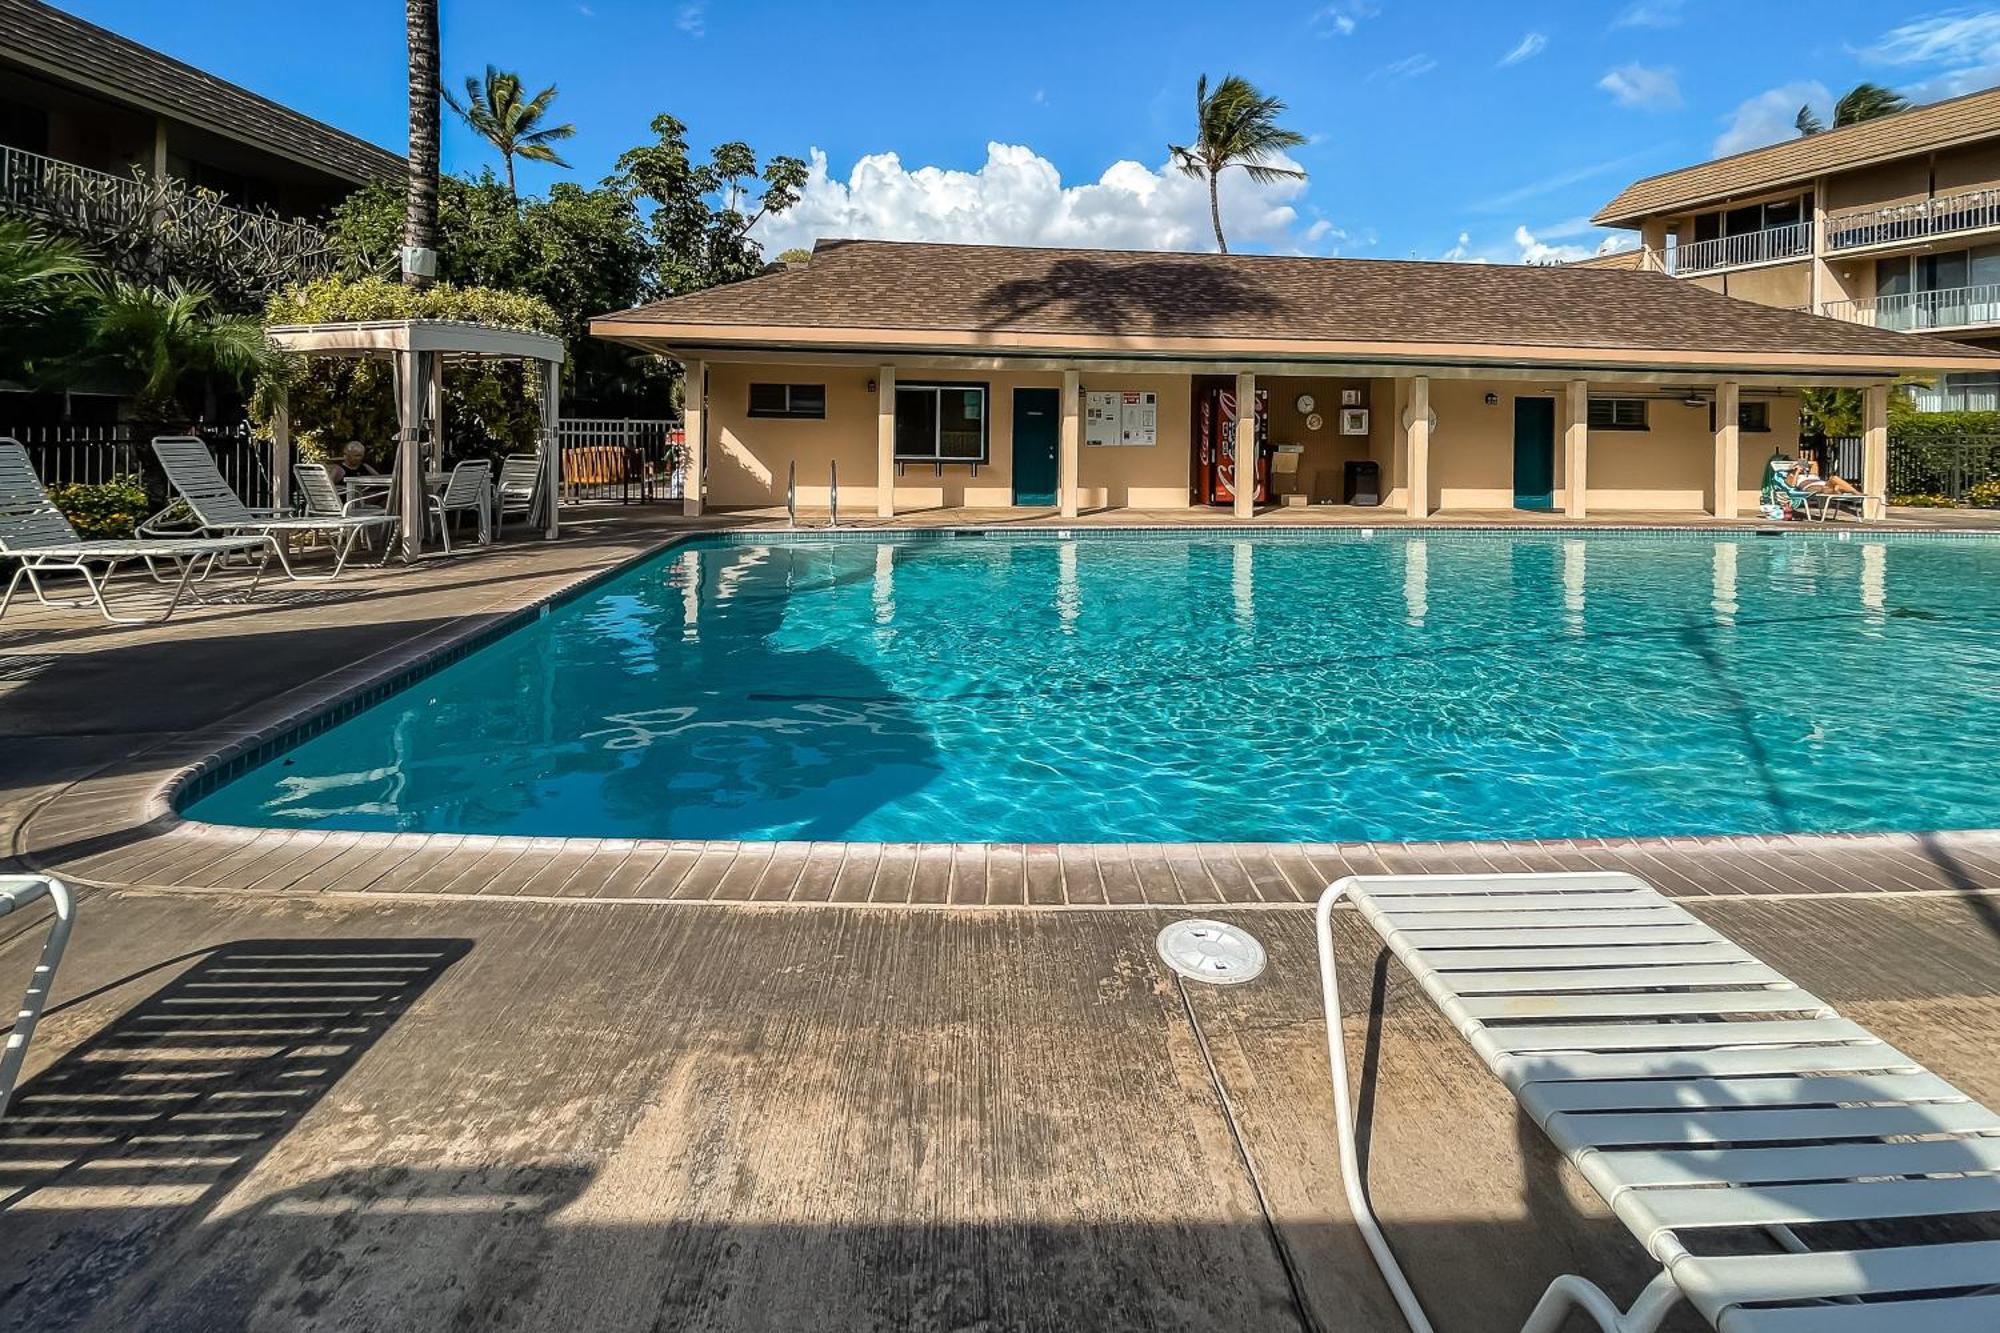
{"points": [[1751, 247], [1945, 308], [1972, 210], [627, 459], [1835, 456], [90, 455], [137, 220], [1949, 397], [1950, 469]]}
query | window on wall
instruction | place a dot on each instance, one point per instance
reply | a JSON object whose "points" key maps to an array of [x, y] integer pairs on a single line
{"points": [[941, 423], [1618, 414], [788, 400], [1754, 417]]}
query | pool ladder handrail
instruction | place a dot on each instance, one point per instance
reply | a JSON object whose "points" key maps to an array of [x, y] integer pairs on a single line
{"points": [[833, 493], [792, 494]]}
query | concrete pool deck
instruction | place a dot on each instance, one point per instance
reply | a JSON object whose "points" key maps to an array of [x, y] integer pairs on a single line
{"points": [[618, 1085]]}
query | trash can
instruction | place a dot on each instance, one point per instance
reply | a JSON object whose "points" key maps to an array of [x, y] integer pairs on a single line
{"points": [[1361, 482]]}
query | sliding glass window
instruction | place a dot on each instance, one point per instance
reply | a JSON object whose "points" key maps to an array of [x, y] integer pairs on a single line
{"points": [[941, 423]]}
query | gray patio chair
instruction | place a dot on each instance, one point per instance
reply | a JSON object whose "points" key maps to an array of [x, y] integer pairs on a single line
{"points": [[1708, 1099], [36, 535], [217, 509], [320, 497], [18, 893], [520, 479], [467, 490]]}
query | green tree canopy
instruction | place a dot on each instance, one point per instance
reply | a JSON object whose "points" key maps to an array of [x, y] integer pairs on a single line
{"points": [[1864, 101], [497, 112], [702, 212]]}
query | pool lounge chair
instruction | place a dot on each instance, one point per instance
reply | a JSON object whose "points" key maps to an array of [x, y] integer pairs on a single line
{"points": [[1712, 1104], [35, 533], [218, 510], [1804, 498]]}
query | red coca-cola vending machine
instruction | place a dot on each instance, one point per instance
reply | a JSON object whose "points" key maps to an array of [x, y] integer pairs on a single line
{"points": [[1215, 446]]}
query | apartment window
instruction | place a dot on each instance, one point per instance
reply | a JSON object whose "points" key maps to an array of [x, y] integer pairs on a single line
{"points": [[1754, 417], [1618, 414], [941, 423], [805, 401]]}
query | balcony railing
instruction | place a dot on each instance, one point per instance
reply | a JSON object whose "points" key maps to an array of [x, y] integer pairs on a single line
{"points": [[1751, 247], [1919, 312], [140, 224], [1974, 210]]}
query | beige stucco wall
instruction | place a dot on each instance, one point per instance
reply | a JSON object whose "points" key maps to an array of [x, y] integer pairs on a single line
{"points": [[1874, 187], [1670, 466], [1788, 285]]}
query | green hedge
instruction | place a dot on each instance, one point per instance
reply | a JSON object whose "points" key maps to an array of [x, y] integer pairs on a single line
{"points": [[102, 509], [490, 407], [1948, 429]]}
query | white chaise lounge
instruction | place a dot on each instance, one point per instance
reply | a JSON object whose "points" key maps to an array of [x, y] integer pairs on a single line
{"points": [[35, 534], [1704, 1096], [218, 510]]}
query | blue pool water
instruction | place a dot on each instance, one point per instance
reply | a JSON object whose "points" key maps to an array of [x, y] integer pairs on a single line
{"points": [[1189, 687]]}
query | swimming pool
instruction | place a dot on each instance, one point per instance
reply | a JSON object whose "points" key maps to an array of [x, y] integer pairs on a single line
{"points": [[1199, 687]]}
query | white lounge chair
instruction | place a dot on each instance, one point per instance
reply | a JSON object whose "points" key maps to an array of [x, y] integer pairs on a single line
{"points": [[1703, 1095], [34, 533], [467, 490], [17, 893], [217, 509]]}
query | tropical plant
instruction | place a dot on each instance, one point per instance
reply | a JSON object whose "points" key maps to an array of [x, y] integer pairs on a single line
{"points": [[703, 211], [41, 298], [161, 343], [420, 19], [1235, 126], [102, 509], [496, 113], [1864, 101]]}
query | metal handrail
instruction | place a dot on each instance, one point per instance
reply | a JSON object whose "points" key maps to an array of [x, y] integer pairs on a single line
{"points": [[1970, 210], [17, 892], [1944, 308], [792, 494], [1765, 246], [833, 493]]}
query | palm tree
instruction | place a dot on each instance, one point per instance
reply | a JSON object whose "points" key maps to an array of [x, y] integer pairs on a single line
{"points": [[42, 296], [497, 114], [1235, 126], [1864, 101], [157, 338], [421, 197]]}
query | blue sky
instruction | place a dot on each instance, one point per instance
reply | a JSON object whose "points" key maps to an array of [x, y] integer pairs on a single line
{"points": [[1463, 130]]}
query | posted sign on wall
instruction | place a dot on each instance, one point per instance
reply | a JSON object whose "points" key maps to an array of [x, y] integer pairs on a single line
{"points": [[1112, 418]]}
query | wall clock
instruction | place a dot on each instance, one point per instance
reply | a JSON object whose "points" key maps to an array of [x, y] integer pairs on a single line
{"points": [[1314, 421], [1305, 403]]}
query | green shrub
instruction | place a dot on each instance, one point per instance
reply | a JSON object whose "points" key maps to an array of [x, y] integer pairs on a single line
{"points": [[1923, 500], [1983, 495], [102, 509], [488, 406], [1951, 429]]}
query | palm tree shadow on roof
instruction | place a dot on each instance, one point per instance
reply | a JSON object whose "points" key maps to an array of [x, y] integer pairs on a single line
{"points": [[1141, 296]]}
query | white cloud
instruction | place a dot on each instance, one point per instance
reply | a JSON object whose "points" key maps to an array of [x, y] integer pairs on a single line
{"points": [[1342, 17], [1409, 67], [1953, 40], [1017, 197], [1527, 48], [1536, 251], [1649, 14], [692, 18], [1502, 203], [1535, 246], [1644, 87], [1462, 250], [1772, 116]]}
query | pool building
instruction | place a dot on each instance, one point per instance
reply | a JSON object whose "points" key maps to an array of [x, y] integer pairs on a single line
{"points": [[924, 376]]}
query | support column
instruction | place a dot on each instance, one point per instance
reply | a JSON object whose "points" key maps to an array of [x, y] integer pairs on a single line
{"points": [[1653, 244], [1874, 449], [885, 442], [1069, 448], [1244, 491], [281, 453], [410, 375], [1728, 396], [551, 447], [1417, 447], [1576, 448], [694, 425]]}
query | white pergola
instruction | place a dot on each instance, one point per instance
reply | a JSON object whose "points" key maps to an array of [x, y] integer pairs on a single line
{"points": [[418, 350]]}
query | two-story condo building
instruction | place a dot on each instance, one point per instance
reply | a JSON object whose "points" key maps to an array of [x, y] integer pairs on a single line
{"points": [[1893, 223]]}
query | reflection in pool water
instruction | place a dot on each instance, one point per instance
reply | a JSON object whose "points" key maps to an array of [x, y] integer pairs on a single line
{"points": [[1201, 687]]}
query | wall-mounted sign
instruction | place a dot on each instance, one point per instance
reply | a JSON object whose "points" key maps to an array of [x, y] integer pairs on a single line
{"points": [[1116, 417], [1353, 421]]}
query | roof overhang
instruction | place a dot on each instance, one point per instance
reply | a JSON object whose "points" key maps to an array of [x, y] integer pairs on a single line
{"points": [[452, 339], [743, 342]]}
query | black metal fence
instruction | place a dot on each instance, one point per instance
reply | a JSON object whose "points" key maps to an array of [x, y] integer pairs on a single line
{"points": [[1950, 469], [1835, 456], [91, 455]]}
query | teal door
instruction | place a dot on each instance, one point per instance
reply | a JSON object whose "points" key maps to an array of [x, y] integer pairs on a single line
{"points": [[1037, 426], [1534, 453]]}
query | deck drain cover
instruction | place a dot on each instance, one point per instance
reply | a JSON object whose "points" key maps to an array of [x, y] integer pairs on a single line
{"points": [[1211, 951]]}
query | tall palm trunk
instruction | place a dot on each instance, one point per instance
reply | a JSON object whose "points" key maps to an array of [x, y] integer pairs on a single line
{"points": [[512, 193], [420, 207], [1215, 212]]}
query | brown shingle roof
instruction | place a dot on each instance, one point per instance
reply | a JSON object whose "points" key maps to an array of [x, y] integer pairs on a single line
{"points": [[1795, 161], [876, 287], [67, 49]]}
